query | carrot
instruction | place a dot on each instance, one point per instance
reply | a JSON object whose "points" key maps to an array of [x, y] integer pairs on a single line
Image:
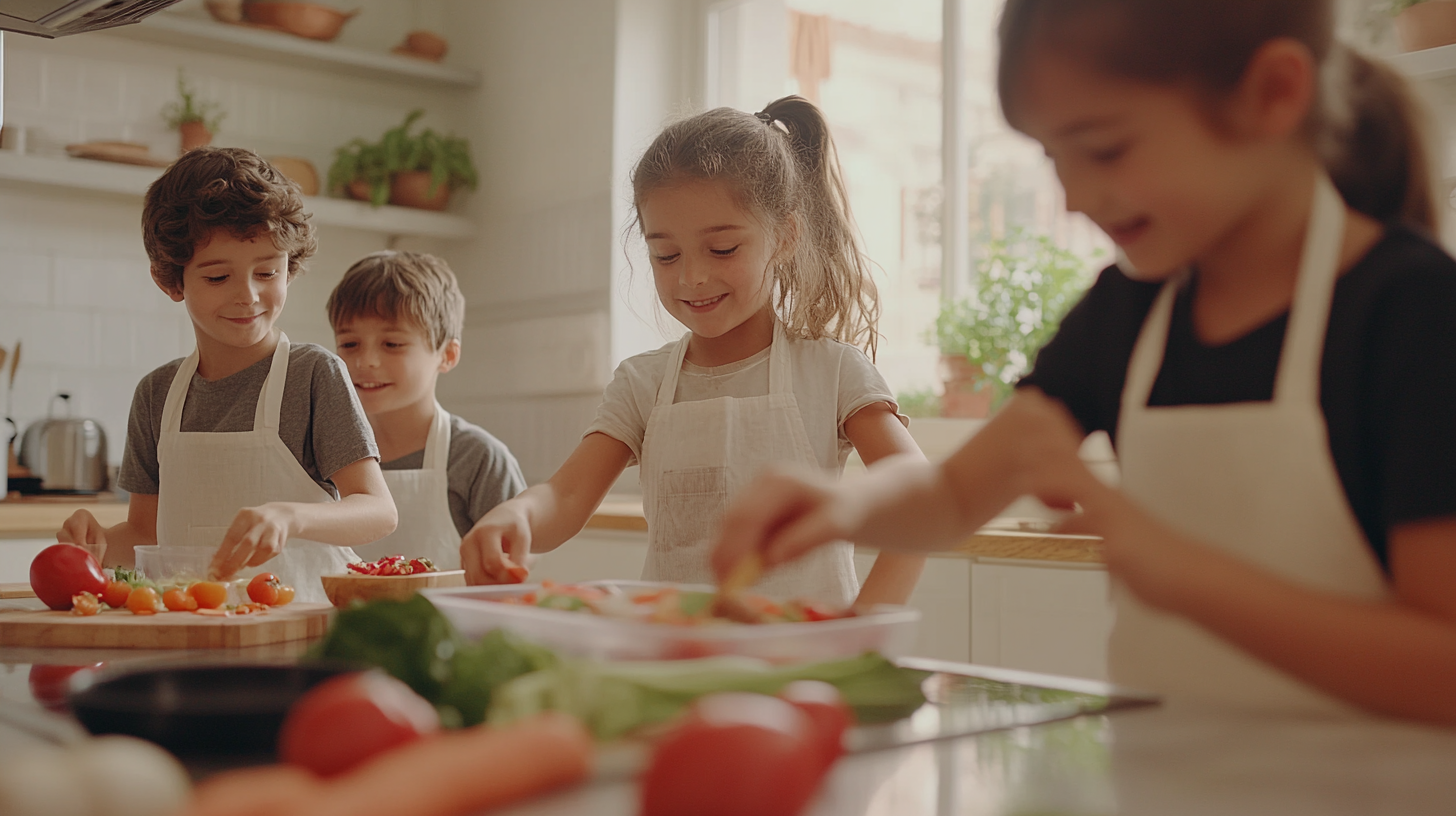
{"points": [[464, 772], [271, 790]]}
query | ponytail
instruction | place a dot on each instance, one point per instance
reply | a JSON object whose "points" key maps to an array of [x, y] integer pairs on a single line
{"points": [[826, 288], [1377, 155], [781, 166]]}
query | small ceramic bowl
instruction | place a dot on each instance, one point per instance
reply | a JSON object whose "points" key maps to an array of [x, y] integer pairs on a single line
{"points": [[345, 589], [310, 20]]}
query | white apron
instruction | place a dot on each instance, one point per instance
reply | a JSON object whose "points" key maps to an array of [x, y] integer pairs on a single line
{"points": [[1256, 480], [206, 478], [422, 498], [697, 455]]}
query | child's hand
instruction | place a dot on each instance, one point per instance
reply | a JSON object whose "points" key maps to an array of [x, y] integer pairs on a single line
{"points": [[782, 515], [83, 530], [496, 548], [256, 535]]}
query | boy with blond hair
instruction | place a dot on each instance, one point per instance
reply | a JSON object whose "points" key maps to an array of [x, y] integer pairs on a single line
{"points": [[397, 319]]}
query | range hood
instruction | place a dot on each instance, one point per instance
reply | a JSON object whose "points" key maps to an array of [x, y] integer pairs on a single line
{"points": [[59, 18]]}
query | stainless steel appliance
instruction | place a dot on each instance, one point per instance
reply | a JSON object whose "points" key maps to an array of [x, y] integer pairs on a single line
{"points": [[67, 454], [58, 18]]}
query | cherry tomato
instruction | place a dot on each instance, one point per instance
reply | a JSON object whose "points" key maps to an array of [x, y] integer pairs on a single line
{"points": [[85, 604], [826, 709], [49, 684], [116, 593], [735, 753], [143, 601], [208, 594], [346, 720], [285, 595], [177, 600], [263, 588], [62, 570]]}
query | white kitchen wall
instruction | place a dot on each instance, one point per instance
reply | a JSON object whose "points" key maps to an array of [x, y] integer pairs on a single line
{"points": [[74, 285]]}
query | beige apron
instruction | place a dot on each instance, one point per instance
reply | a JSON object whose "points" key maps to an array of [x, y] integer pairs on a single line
{"points": [[1256, 480], [206, 478], [697, 455], [422, 498]]}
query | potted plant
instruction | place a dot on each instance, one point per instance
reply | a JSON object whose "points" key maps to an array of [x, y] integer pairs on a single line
{"points": [[408, 170], [195, 119], [1422, 24], [1024, 285]]}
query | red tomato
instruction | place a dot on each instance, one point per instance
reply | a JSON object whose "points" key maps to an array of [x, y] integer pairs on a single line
{"points": [[115, 593], [263, 588], [49, 684], [346, 720], [736, 753], [61, 571], [826, 709], [143, 601], [285, 595]]}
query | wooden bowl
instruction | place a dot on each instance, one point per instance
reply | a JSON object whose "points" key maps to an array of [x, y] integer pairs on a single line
{"points": [[309, 20], [423, 44], [345, 589]]}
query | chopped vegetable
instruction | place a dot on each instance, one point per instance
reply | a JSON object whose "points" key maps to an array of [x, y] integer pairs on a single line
{"points": [[394, 565], [177, 600], [116, 593], [143, 600], [615, 698], [85, 604], [672, 606], [348, 719], [208, 594]]}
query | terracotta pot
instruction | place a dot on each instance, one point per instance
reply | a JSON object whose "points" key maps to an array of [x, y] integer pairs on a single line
{"points": [[1427, 25], [299, 171], [423, 44], [309, 20], [412, 189], [358, 190], [194, 135], [962, 397]]}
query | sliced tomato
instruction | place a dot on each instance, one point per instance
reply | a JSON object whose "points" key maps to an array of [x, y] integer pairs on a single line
{"points": [[735, 753], [208, 594], [177, 600], [85, 604], [346, 720], [143, 601], [285, 595]]}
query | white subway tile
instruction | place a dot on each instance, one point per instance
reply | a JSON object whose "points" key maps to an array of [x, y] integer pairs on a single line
{"points": [[102, 90], [24, 76], [61, 88], [114, 339], [157, 340], [25, 279]]}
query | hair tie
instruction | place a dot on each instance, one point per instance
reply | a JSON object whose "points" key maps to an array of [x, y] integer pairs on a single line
{"points": [[766, 118]]}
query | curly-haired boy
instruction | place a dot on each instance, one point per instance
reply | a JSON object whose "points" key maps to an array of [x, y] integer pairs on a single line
{"points": [[252, 446]]}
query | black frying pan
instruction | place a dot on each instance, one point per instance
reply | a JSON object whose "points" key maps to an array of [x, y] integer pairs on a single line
{"points": [[221, 710]]}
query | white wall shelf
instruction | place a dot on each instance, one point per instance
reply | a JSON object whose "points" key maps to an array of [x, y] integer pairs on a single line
{"points": [[1432, 63], [127, 180], [201, 33]]}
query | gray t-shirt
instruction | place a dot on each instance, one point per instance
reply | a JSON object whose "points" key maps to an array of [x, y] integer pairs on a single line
{"points": [[320, 421], [481, 472]]}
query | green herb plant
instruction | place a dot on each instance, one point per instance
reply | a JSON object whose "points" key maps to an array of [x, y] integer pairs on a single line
{"points": [[447, 158], [1024, 285], [188, 108]]}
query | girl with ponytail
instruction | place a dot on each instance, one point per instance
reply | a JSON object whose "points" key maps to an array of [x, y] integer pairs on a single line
{"points": [[752, 248], [1274, 355]]}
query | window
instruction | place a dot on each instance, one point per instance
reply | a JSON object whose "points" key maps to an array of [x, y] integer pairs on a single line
{"points": [[876, 70]]}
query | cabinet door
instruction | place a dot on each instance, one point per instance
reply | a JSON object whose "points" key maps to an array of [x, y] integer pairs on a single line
{"points": [[16, 555], [594, 555], [943, 597], [1035, 617]]}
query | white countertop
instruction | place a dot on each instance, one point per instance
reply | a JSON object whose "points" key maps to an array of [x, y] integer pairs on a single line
{"points": [[1150, 762]]}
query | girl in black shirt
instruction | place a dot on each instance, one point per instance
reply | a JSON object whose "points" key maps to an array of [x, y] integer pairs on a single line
{"points": [[1275, 357]]}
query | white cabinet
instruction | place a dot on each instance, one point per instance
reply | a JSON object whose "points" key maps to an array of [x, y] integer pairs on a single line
{"points": [[16, 555], [943, 597], [1040, 616]]}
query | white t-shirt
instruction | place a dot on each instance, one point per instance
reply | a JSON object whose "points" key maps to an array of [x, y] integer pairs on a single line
{"points": [[832, 381]]}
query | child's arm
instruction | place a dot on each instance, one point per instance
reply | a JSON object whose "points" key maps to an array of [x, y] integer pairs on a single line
{"points": [[1394, 657], [363, 514], [877, 434], [544, 516], [114, 546]]}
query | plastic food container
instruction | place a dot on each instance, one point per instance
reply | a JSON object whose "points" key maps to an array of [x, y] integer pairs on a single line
{"points": [[174, 563], [475, 611]]}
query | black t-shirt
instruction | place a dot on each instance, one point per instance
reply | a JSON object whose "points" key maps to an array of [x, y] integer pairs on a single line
{"points": [[1387, 378]]}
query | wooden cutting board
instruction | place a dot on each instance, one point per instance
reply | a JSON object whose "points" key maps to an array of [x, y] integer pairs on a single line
{"points": [[120, 629]]}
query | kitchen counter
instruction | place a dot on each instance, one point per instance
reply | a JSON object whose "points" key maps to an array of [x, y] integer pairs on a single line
{"points": [[41, 517], [1146, 762]]}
